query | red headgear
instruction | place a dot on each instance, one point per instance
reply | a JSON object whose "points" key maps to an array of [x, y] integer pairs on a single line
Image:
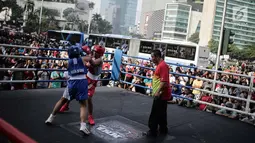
{"points": [[86, 49], [99, 49]]}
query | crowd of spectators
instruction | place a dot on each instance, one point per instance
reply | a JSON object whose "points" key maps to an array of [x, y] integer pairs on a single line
{"points": [[186, 87], [37, 41], [183, 85]]}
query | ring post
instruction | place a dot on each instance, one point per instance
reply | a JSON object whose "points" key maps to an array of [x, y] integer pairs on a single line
{"points": [[247, 108], [116, 65]]}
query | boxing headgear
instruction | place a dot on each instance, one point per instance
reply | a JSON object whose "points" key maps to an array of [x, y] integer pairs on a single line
{"points": [[74, 52], [86, 49], [99, 50]]}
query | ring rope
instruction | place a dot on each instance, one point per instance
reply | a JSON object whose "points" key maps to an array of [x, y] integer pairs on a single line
{"points": [[32, 81], [34, 57], [199, 101], [204, 79], [194, 67], [35, 69]]}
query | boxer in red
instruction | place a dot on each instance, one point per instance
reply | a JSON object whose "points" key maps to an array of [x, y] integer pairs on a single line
{"points": [[94, 72]]}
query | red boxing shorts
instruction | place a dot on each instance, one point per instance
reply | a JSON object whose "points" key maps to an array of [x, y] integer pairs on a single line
{"points": [[92, 84]]}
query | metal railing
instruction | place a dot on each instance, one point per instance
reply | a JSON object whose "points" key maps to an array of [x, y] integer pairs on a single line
{"points": [[249, 88]]}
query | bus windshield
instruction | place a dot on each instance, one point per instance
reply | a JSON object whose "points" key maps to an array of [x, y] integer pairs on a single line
{"points": [[72, 36]]}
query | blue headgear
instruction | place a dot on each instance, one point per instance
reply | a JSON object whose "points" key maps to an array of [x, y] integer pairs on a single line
{"points": [[74, 52]]}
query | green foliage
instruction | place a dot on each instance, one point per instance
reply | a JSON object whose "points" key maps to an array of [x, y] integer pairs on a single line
{"points": [[104, 27], [213, 46], [83, 26], [244, 53], [48, 13], [48, 20], [17, 11], [194, 37], [67, 11], [91, 5], [32, 23], [29, 6], [99, 25]]}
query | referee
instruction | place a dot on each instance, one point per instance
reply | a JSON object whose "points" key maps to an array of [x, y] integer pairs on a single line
{"points": [[162, 92]]}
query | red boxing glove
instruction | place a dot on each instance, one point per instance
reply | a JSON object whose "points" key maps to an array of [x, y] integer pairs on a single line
{"points": [[86, 49]]}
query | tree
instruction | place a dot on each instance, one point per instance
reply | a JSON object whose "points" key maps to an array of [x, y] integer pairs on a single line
{"points": [[72, 15], [67, 11], [213, 46], [249, 53], [32, 23], [244, 53], [91, 5], [29, 6], [17, 11], [104, 27], [96, 17], [48, 20], [99, 25], [194, 37], [83, 26]]}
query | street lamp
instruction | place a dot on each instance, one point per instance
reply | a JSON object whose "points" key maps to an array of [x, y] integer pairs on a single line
{"points": [[91, 6], [40, 20], [220, 43]]}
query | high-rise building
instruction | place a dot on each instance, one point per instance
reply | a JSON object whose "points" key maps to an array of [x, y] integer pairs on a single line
{"points": [[108, 10], [121, 13], [127, 15], [240, 18], [171, 19], [176, 21]]}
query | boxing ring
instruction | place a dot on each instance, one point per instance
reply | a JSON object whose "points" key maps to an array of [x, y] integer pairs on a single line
{"points": [[120, 115]]}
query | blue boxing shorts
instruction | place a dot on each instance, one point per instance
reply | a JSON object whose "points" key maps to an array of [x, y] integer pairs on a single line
{"points": [[78, 89]]}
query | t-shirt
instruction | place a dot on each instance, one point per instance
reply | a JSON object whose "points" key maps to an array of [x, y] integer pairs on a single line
{"points": [[161, 74], [54, 75], [205, 99]]}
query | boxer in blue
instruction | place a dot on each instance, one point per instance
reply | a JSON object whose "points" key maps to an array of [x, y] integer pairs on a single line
{"points": [[77, 86]]}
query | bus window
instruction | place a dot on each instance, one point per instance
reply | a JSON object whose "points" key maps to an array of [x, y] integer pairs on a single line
{"points": [[172, 51], [113, 42], [124, 41], [182, 52], [146, 47], [163, 50], [73, 38]]}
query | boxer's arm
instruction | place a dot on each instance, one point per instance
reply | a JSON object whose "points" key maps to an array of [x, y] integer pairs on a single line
{"points": [[87, 64], [86, 59], [96, 62]]}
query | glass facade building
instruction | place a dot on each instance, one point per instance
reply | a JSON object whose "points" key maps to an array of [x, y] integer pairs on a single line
{"points": [[242, 25], [176, 21], [126, 16]]}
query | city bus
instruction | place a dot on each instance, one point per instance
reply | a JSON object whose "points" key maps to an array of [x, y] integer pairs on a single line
{"points": [[181, 52], [111, 41], [72, 37]]}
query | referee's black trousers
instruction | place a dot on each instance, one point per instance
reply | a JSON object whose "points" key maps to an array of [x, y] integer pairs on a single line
{"points": [[158, 116]]}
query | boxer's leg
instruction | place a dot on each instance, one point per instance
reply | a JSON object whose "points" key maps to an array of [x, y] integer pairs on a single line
{"points": [[91, 92], [82, 97], [58, 105], [65, 107], [83, 112]]}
